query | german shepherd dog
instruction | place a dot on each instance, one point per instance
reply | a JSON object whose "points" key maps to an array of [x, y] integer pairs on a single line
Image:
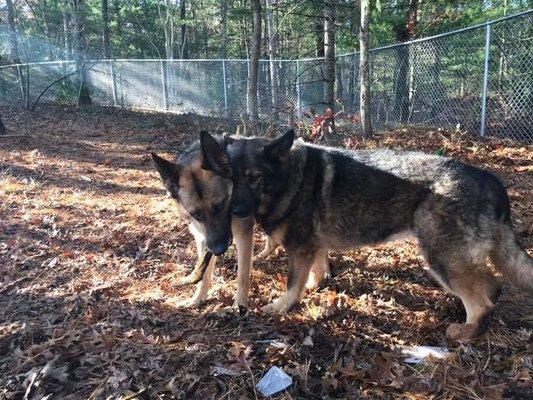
{"points": [[203, 199], [313, 199]]}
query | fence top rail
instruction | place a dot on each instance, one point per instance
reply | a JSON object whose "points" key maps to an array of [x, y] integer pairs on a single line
{"points": [[169, 60], [445, 34], [189, 59]]}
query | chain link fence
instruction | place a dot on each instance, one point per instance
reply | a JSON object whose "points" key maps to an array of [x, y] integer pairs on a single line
{"points": [[478, 78]]}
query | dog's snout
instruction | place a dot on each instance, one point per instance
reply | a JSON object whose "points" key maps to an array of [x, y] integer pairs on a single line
{"points": [[218, 248]]}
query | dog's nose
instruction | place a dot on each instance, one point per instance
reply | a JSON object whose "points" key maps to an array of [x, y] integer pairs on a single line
{"points": [[218, 249]]}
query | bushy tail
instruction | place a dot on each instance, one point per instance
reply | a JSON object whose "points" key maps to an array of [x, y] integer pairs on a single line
{"points": [[512, 260]]}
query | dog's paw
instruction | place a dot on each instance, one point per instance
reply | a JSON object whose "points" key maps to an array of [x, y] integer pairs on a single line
{"points": [[277, 307], [312, 282], [462, 333], [237, 310], [261, 256], [240, 302], [193, 302]]}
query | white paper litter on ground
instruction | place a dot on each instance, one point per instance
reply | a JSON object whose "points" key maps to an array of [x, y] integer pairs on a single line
{"points": [[418, 354], [274, 343], [274, 381], [217, 370]]}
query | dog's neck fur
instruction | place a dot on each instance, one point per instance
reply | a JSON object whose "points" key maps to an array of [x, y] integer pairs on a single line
{"points": [[274, 210]]}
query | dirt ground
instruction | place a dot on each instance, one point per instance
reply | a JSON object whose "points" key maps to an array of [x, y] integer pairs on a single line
{"points": [[89, 243]]}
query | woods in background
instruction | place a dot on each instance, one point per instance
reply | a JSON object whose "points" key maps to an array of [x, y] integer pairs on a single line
{"points": [[82, 31], [46, 29]]}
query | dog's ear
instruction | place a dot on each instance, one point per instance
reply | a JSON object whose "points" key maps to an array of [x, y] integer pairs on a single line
{"points": [[167, 169], [214, 157], [170, 174], [279, 148]]}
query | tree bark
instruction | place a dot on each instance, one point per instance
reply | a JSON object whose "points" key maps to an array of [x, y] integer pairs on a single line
{"points": [[3, 129], [319, 34], [14, 49], [245, 31], [118, 18], [271, 56], [329, 54], [401, 90], [13, 42], [78, 25], [183, 45], [46, 28], [169, 31], [254, 60], [224, 14], [364, 68], [66, 35], [105, 29]]}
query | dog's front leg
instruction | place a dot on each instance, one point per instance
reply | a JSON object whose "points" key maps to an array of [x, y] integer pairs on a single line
{"points": [[243, 231], [202, 288], [300, 262]]}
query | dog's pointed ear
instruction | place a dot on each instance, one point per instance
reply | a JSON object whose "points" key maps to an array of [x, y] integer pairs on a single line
{"points": [[167, 169], [214, 157], [279, 148]]}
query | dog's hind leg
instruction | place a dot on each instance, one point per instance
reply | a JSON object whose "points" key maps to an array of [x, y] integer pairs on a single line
{"points": [[319, 271], [270, 246], [243, 231], [462, 270], [478, 290], [300, 262]]}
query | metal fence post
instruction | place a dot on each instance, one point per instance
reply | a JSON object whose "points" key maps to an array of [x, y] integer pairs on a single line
{"points": [[298, 99], [248, 88], [484, 94], [113, 82], [164, 84], [225, 83], [20, 77]]}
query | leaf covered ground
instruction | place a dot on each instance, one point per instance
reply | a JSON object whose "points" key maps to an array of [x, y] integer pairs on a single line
{"points": [[89, 243]]}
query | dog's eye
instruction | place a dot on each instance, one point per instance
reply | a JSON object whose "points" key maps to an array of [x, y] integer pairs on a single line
{"points": [[217, 208], [198, 215], [254, 177]]}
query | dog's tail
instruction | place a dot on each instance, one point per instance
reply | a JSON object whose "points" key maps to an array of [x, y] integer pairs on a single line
{"points": [[511, 259]]}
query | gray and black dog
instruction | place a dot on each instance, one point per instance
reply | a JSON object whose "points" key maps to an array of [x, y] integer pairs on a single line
{"points": [[313, 199]]}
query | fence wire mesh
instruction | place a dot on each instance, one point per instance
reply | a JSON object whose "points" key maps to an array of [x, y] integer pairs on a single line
{"points": [[438, 81]]}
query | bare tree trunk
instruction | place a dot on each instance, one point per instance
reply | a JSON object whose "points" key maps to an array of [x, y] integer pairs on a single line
{"points": [[319, 34], [354, 29], [13, 42], [401, 90], [118, 18], [169, 31], [254, 60], [66, 35], [502, 69], [271, 56], [365, 69], [245, 31], [105, 29], [78, 24], [14, 50], [183, 45], [329, 54], [46, 28], [3, 129], [224, 14]]}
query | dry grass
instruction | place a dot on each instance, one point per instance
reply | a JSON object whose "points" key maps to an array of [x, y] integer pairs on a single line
{"points": [[87, 237]]}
